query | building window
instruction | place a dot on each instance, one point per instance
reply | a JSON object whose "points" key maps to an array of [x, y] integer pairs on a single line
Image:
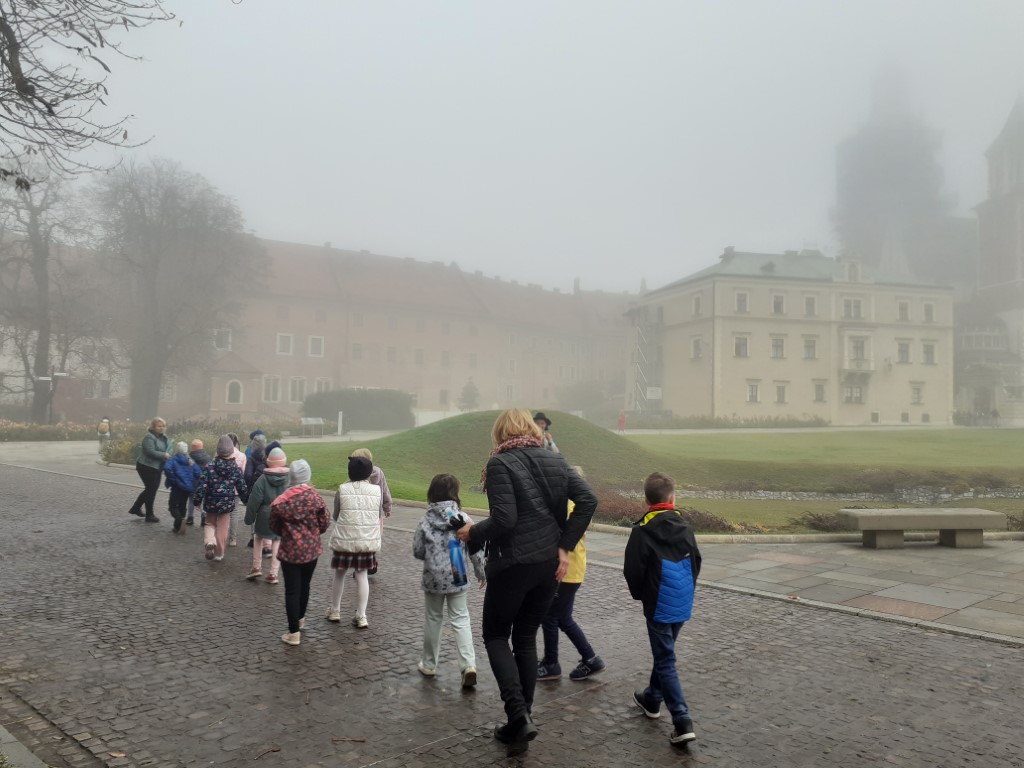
{"points": [[512, 367], [875, 417], [778, 305], [168, 388], [810, 349], [316, 346], [819, 393], [88, 389], [222, 339], [271, 389], [357, 351], [418, 356], [852, 309], [696, 306], [925, 418], [903, 310], [905, 417], [929, 313], [903, 352], [853, 395], [778, 349], [323, 385], [284, 343], [446, 359], [780, 393], [915, 394], [753, 393], [472, 361], [857, 349], [928, 355], [357, 319], [442, 397], [740, 346], [810, 306], [296, 389], [695, 349], [392, 354], [741, 303], [510, 392], [234, 396]]}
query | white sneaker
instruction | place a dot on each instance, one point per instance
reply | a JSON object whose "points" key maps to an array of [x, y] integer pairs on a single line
{"points": [[333, 615], [469, 677], [359, 621], [218, 558], [425, 670], [291, 638]]}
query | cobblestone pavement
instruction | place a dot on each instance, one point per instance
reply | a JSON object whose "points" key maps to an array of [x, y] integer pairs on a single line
{"points": [[127, 648]]}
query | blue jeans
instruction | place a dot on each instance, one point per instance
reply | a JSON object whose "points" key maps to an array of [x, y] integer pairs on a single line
{"points": [[664, 678], [559, 616]]}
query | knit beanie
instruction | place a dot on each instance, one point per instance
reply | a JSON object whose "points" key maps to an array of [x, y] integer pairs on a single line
{"points": [[359, 468], [276, 458], [300, 473], [225, 448], [180, 448]]}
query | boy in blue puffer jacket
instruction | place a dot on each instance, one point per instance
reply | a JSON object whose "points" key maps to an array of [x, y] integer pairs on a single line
{"points": [[182, 475], [661, 566]]}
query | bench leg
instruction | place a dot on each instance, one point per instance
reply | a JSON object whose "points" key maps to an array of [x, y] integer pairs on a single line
{"points": [[971, 538], [883, 539]]}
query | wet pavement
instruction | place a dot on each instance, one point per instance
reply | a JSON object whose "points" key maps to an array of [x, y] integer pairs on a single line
{"points": [[124, 647]]}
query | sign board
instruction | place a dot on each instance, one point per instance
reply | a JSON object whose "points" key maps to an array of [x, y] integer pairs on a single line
{"points": [[654, 393]]}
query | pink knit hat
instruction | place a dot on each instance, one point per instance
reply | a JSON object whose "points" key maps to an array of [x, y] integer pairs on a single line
{"points": [[276, 458]]}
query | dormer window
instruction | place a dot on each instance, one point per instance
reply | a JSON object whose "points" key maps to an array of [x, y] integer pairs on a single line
{"points": [[853, 272]]}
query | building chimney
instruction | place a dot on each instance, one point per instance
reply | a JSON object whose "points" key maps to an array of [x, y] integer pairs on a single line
{"points": [[728, 253]]}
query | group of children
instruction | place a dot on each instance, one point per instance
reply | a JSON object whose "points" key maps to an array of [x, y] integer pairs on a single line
{"points": [[289, 517]]}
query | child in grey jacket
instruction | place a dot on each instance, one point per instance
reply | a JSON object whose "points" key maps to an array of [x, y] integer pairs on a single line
{"points": [[443, 580]]}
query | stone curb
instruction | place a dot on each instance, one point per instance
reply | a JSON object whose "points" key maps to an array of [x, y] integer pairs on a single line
{"points": [[17, 754]]}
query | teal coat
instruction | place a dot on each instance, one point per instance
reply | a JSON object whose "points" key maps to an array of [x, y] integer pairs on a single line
{"points": [[154, 447], [268, 487]]}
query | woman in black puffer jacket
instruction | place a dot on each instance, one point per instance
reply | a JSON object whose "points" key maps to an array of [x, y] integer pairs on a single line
{"points": [[528, 540]]}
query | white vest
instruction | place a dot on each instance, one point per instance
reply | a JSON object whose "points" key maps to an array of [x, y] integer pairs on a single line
{"points": [[357, 528]]}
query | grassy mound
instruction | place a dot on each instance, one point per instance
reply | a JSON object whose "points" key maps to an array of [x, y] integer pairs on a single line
{"points": [[461, 445]]}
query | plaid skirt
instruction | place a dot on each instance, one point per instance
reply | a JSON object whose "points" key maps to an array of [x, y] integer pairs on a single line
{"points": [[359, 561]]}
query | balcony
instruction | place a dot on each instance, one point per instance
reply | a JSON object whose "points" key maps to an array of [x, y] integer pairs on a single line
{"points": [[861, 364]]}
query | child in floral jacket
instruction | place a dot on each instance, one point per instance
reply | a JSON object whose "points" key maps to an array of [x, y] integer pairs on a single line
{"points": [[299, 516], [215, 495]]}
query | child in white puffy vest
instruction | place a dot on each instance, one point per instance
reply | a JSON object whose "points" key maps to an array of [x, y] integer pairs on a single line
{"points": [[444, 581], [355, 537]]}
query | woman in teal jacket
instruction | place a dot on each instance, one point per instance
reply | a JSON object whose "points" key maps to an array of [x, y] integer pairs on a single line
{"points": [[156, 447]]}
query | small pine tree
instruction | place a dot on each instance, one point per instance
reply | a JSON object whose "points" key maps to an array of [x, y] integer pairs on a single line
{"points": [[469, 399]]}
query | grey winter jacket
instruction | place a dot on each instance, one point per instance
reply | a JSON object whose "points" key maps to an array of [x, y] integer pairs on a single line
{"points": [[268, 487], [430, 544], [528, 491], [154, 448]]}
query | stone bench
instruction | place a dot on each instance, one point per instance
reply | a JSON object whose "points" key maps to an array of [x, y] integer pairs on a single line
{"points": [[883, 528]]}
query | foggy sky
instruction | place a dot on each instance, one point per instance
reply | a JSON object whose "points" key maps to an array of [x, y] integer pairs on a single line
{"points": [[542, 140]]}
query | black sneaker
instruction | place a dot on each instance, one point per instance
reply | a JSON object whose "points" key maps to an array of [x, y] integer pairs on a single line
{"points": [[371, 571], [136, 512], [520, 733], [177, 525], [152, 519], [549, 671], [650, 709], [683, 732], [587, 668], [190, 521], [249, 545]]}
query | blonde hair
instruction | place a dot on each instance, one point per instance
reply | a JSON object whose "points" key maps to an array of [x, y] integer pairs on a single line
{"points": [[157, 420], [362, 453], [514, 423]]}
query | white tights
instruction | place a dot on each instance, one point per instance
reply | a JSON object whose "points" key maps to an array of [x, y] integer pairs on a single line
{"points": [[362, 590]]}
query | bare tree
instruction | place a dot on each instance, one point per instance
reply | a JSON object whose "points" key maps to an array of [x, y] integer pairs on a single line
{"points": [[53, 67], [37, 224], [174, 246]]}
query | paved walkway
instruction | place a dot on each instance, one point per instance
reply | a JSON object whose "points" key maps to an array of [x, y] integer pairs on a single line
{"points": [[121, 646]]}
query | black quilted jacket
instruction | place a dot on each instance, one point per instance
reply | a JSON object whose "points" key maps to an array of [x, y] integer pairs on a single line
{"points": [[528, 491]]}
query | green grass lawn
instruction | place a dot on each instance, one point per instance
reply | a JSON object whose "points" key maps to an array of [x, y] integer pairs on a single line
{"points": [[815, 460]]}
